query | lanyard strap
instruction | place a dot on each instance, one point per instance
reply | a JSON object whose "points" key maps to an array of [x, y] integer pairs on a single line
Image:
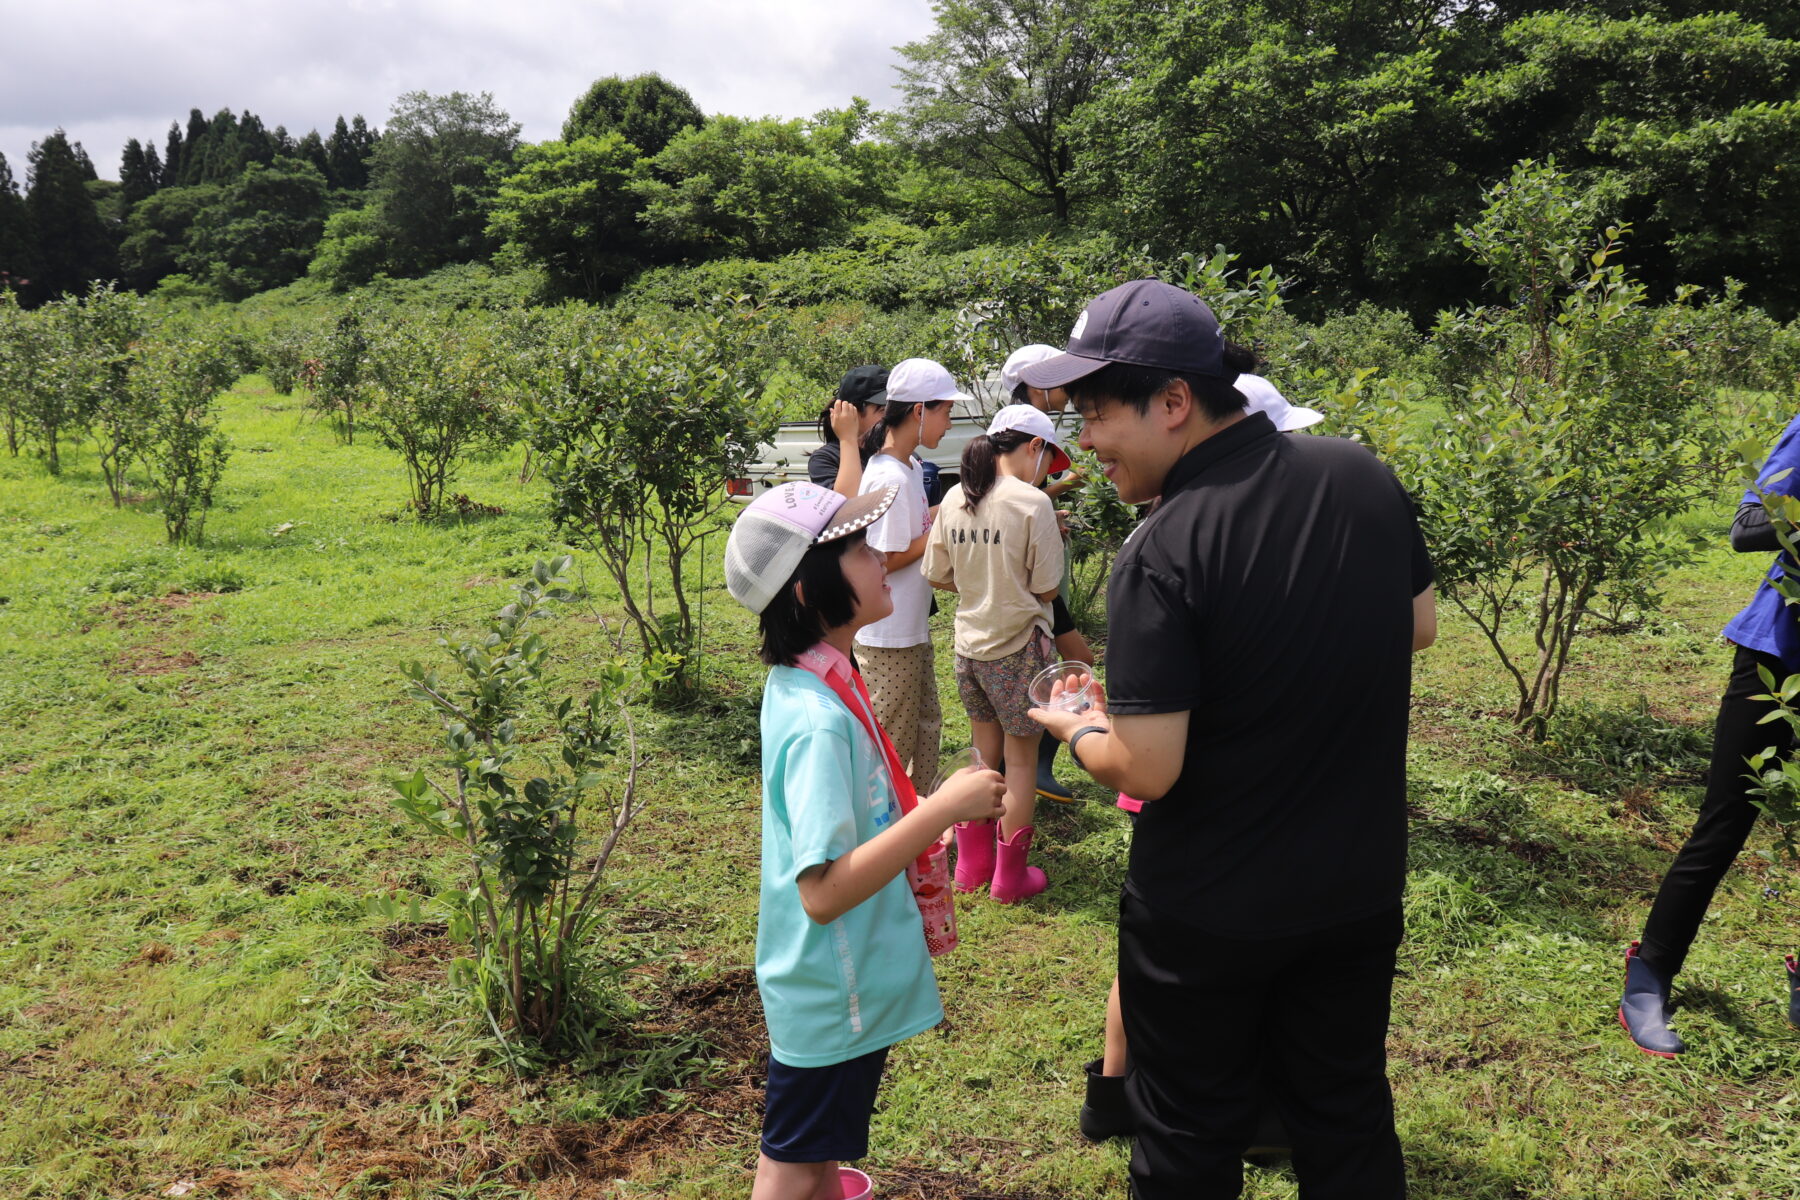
{"points": [[861, 708]]}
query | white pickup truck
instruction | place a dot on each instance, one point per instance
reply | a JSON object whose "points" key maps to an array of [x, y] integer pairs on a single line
{"points": [[784, 459]]}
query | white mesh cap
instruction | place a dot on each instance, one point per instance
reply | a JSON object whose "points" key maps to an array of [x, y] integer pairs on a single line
{"points": [[775, 531]]}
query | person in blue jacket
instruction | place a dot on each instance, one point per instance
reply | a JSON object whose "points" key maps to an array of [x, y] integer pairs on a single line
{"points": [[1766, 634]]}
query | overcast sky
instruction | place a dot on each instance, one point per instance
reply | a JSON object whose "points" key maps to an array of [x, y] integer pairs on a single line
{"points": [[108, 70]]}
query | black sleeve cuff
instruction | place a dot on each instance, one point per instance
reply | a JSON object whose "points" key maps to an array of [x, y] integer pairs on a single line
{"points": [[1751, 530]]}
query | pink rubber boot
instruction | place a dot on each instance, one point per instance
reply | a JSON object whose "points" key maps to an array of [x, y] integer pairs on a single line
{"points": [[1013, 880], [975, 854]]}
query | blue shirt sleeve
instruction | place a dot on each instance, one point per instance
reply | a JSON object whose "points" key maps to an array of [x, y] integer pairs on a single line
{"points": [[1784, 457], [817, 783]]}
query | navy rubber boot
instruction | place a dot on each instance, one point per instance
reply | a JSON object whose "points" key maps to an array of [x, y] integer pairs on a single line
{"points": [[1104, 1114], [1644, 1008], [1793, 972], [1047, 784]]}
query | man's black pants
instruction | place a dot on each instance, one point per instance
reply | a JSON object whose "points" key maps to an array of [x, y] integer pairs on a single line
{"points": [[1726, 815], [1204, 1017]]}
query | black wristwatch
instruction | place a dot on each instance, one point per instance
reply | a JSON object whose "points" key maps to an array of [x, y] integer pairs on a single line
{"points": [[1078, 735]]}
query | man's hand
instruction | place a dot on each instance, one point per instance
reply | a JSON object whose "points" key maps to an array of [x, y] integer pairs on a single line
{"points": [[1061, 723]]}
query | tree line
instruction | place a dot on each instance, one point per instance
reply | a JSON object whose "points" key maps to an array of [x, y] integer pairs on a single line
{"points": [[1339, 140]]}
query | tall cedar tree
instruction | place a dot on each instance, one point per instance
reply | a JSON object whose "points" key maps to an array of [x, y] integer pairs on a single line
{"points": [[171, 176], [74, 246], [17, 258], [349, 151], [190, 153], [136, 177], [311, 148]]}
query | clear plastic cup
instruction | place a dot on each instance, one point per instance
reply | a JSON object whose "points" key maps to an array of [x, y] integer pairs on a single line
{"points": [[1043, 693], [954, 761]]}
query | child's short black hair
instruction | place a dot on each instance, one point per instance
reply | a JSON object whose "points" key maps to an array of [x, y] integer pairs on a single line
{"points": [[789, 628]]}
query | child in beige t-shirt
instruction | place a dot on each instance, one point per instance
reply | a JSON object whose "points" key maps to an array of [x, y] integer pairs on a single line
{"points": [[996, 544]]}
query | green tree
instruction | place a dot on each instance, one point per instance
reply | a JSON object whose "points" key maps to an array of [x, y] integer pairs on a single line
{"points": [[636, 439], [352, 250], [311, 148], [534, 896], [172, 152], [138, 175], [993, 90], [439, 390], [646, 110], [45, 377], [1574, 431], [192, 147], [1315, 132], [18, 246], [36, 406], [73, 244], [261, 230], [186, 369], [109, 326], [340, 383], [156, 233], [571, 209], [754, 188], [1688, 129], [435, 172], [349, 151]]}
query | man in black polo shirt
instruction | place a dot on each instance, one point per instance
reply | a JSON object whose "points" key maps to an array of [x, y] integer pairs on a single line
{"points": [[1262, 621]]}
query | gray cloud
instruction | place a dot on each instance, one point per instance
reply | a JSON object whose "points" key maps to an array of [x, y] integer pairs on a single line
{"points": [[109, 70]]}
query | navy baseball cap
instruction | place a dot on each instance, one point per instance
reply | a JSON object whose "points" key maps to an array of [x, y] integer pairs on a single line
{"points": [[1146, 323]]}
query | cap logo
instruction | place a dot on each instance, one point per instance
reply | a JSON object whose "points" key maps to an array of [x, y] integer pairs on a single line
{"points": [[1080, 327]]}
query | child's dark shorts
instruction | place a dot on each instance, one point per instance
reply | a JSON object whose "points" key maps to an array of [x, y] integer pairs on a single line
{"points": [[821, 1114]]}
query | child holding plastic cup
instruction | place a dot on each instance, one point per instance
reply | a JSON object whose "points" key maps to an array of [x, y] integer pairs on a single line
{"points": [[996, 544], [841, 960]]}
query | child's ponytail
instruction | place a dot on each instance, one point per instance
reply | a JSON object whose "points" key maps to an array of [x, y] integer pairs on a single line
{"points": [[978, 462]]}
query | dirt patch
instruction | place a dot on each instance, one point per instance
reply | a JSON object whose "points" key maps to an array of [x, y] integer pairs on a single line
{"points": [[152, 660], [337, 1121], [395, 1119], [152, 610], [154, 952]]}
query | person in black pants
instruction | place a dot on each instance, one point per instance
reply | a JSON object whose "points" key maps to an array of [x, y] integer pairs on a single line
{"points": [[1767, 634], [1261, 913]]}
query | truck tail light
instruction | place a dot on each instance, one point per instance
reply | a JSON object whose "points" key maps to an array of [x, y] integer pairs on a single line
{"points": [[737, 487]]}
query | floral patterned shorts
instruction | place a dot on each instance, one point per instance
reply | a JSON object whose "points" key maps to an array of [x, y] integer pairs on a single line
{"points": [[994, 691]]}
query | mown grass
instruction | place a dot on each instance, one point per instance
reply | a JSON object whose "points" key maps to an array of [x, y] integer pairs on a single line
{"points": [[194, 806]]}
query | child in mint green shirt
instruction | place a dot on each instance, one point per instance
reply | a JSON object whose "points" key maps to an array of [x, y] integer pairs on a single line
{"points": [[841, 961]]}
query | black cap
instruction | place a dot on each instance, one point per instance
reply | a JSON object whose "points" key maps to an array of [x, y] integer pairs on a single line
{"points": [[864, 385], [1147, 323]]}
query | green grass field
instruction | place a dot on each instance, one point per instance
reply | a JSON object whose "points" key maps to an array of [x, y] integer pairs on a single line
{"points": [[194, 784]]}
